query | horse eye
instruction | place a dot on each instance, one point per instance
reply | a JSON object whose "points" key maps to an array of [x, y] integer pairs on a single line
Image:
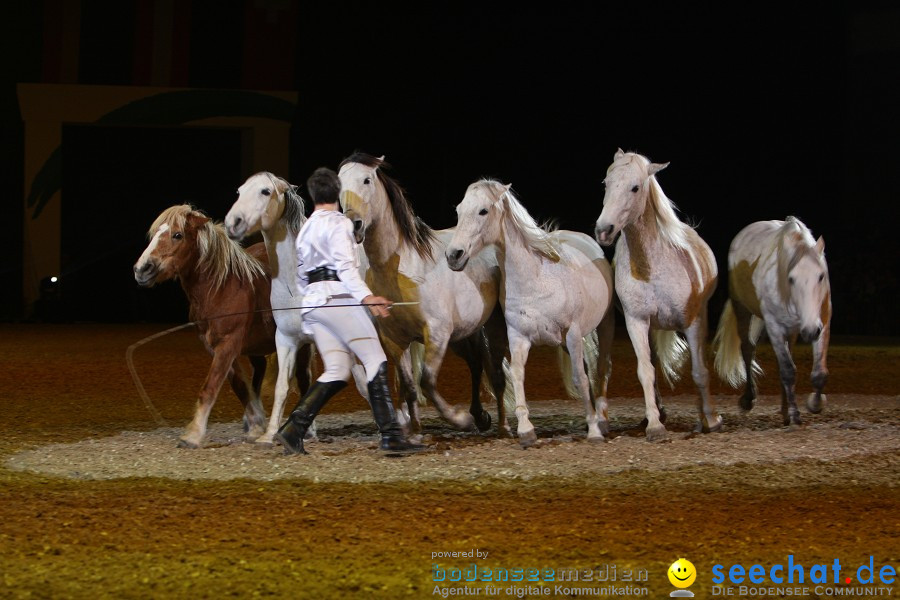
{"points": [[266, 192], [791, 280], [177, 235], [482, 212], [635, 189], [821, 276], [367, 181]]}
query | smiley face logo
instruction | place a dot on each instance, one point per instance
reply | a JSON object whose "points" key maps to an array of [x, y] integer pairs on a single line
{"points": [[682, 573]]}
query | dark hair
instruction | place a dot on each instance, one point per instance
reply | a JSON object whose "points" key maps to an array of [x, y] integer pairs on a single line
{"points": [[323, 186]]}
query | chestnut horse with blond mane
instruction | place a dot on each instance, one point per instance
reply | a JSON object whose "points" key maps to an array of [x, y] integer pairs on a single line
{"points": [[228, 291]]}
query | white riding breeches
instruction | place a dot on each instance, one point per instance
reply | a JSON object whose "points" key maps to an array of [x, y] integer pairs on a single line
{"points": [[341, 333]]}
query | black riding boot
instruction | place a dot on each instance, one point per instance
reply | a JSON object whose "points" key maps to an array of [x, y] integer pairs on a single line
{"points": [[291, 433], [392, 438]]}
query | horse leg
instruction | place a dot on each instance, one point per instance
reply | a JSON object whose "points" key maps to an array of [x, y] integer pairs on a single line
{"points": [[496, 349], [287, 364], [816, 401], [787, 371], [575, 347], [518, 356], [407, 389], [254, 419], [606, 332], [654, 362], [743, 319], [223, 357], [470, 351], [639, 332], [435, 348], [304, 373], [710, 420]]}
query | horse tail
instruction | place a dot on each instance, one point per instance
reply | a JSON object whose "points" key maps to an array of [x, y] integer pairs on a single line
{"points": [[591, 359], [727, 348], [729, 361], [671, 352]]}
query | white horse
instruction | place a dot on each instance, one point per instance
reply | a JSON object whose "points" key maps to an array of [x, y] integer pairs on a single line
{"points": [[777, 279], [270, 204], [665, 274], [557, 290], [455, 309]]}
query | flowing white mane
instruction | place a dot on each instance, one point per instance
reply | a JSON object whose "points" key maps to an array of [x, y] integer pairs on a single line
{"points": [[671, 229], [538, 237], [793, 241]]}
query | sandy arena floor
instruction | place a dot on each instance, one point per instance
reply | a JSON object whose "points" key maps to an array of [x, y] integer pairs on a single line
{"points": [[98, 502]]}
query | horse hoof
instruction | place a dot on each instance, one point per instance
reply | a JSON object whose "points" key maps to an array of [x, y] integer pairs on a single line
{"points": [[483, 421], [604, 427], [816, 404], [714, 428], [597, 439], [528, 439], [657, 434], [187, 444], [746, 404], [264, 444], [504, 432]]}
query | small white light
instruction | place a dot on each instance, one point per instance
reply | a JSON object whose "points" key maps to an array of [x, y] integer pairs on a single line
{"points": [[54, 279]]}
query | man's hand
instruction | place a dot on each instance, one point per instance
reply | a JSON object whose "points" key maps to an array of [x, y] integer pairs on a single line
{"points": [[378, 305]]}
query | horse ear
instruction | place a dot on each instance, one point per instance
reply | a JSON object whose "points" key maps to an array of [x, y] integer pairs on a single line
{"points": [[196, 219], [619, 154], [655, 168], [820, 245], [507, 187]]}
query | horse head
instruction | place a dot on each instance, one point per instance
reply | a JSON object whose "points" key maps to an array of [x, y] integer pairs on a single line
{"points": [[361, 192], [628, 184], [260, 204], [173, 241], [478, 219], [807, 286]]}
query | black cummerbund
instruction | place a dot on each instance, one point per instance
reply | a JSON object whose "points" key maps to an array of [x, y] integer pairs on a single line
{"points": [[322, 274]]}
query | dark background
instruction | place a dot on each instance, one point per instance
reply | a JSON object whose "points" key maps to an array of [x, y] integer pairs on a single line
{"points": [[763, 111]]}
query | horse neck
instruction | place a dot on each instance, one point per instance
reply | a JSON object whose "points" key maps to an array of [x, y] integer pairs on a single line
{"points": [[198, 285], [383, 240], [518, 259], [643, 234], [282, 250]]}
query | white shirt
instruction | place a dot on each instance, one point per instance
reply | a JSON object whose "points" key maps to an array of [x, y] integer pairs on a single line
{"points": [[326, 240]]}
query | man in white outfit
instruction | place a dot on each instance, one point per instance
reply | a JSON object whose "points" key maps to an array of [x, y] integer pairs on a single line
{"points": [[332, 292]]}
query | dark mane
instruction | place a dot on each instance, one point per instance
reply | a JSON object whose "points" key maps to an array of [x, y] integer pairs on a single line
{"points": [[413, 230]]}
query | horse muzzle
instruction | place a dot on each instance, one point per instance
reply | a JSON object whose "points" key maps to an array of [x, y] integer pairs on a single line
{"points": [[235, 227], [605, 234], [457, 258], [145, 274]]}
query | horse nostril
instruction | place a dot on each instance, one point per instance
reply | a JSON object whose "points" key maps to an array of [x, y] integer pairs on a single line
{"points": [[236, 222], [357, 224], [455, 254]]}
